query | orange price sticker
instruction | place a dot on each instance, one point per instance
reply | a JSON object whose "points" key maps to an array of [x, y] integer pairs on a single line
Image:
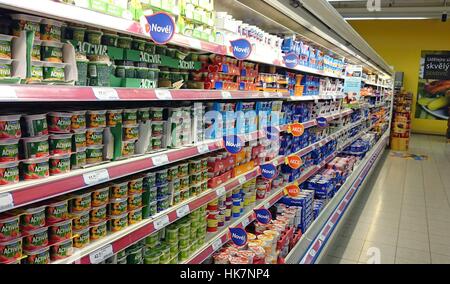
{"points": [[292, 190], [294, 161], [296, 129]]}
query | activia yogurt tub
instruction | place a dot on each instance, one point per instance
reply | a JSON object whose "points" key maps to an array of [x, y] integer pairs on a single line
{"points": [[135, 186], [60, 231], [36, 147], [130, 132], [100, 196], [5, 46], [113, 117], [118, 206], [94, 36], [60, 144], [110, 39], [61, 250], [57, 211], [9, 227], [37, 239], [36, 51], [119, 222], [51, 51], [9, 150], [35, 125], [54, 72], [51, 30], [94, 154], [82, 238], [5, 68], [22, 22], [128, 148], [94, 136], [32, 218], [79, 139], [80, 220], [10, 126], [59, 164], [97, 214], [37, 168], [135, 216], [96, 118], [78, 159], [118, 190], [40, 256], [98, 231], [129, 116], [10, 250], [78, 119], [59, 122], [37, 71], [124, 42]]}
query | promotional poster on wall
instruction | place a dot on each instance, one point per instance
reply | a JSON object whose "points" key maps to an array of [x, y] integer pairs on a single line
{"points": [[433, 99]]}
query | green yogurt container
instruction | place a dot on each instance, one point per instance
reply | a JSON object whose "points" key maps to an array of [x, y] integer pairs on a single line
{"points": [[82, 67], [35, 168], [94, 37], [142, 73], [35, 125], [36, 51], [52, 51], [172, 234], [75, 33], [60, 144], [150, 47], [100, 71], [152, 257], [51, 30], [138, 44], [37, 71], [5, 68], [23, 22], [5, 46], [35, 147], [54, 72], [78, 159], [124, 42], [94, 154], [110, 39], [59, 164], [161, 49]]}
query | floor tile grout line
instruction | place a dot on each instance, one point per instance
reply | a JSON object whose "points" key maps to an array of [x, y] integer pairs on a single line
{"points": [[426, 209], [401, 208]]}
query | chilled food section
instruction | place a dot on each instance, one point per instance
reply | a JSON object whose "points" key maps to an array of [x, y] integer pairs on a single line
{"points": [[207, 141]]}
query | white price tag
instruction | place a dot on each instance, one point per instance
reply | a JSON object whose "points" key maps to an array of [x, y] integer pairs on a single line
{"points": [[280, 94], [242, 180], [183, 211], [267, 205], [202, 149], [163, 94], [266, 94], [106, 94], [221, 191], [316, 99], [312, 252], [6, 202], [226, 95], [160, 160], [245, 222], [338, 212], [195, 43], [96, 177], [7, 93], [161, 222], [217, 244], [102, 254]]}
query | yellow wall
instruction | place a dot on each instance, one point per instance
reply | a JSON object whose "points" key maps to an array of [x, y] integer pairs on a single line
{"points": [[400, 43]]}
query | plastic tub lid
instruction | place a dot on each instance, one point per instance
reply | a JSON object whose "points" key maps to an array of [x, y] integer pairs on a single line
{"points": [[6, 61], [54, 64], [52, 43], [6, 37], [35, 160], [26, 17], [52, 22], [37, 63]]}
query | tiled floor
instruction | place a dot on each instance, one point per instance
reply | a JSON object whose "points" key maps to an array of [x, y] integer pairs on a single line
{"points": [[403, 213]]}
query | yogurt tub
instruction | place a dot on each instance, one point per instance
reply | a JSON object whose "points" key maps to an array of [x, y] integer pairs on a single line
{"points": [[183, 170], [152, 208], [124, 42], [78, 159], [119, 190], [150, 47], [134, 255], [156, 113], [128, 148], [135, 186], [32, 218], [157, 128], [57, 211], [118, 206], [5, 68], [60, 231], [82, 238], [161, 177], [10, 126], [61, 250], [51, 30], [98, 231], [41, 256], [118, 223], [143, 114], [79, 139], [149, 180], [35, 168], [130, 132], [10, 250], [110, 39], [113, 117], [100, 196], [94, 154], [5, 46], [172, 173], [52, 51], [94, 136], [94, 37], [59, 122], [75, 33], [22, 22], [78, 120], [163, 203], [138, 44], [156, 143], [36, 147], [60, 144], [9, 227], [35, 125], [141, 72], [129, 116], [96, 118], [9, 150], [80, 202], [59, 164], [36, 51], [54, 72], [152, 257], [97, 214], [37, 71], [175, 185], [162, 190], [35, 240], [134, 201], [80, 220], [135, 216], [184, 182]]}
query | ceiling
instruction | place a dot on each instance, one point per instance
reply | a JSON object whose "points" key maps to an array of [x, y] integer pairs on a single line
{"points": [[391, 9]]}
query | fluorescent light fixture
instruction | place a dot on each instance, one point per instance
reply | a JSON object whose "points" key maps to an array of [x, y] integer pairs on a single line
{"points": [[386, 18]]}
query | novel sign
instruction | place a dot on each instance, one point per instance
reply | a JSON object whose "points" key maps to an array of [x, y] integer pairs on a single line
{"points": [[161, 27], [241, 48], [322, 122], [268, 171], [238, 236], [233, 144], [290, 60], [263, 216]]}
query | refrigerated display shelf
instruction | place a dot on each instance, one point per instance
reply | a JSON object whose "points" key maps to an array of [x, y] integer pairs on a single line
{"points": [[84, 16], [308, 249]]}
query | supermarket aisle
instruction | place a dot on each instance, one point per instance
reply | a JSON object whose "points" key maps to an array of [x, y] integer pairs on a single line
{"points": [[404, 211]]}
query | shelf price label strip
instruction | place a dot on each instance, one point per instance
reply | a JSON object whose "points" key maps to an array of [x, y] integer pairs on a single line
{"points": [[325, 233]]}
